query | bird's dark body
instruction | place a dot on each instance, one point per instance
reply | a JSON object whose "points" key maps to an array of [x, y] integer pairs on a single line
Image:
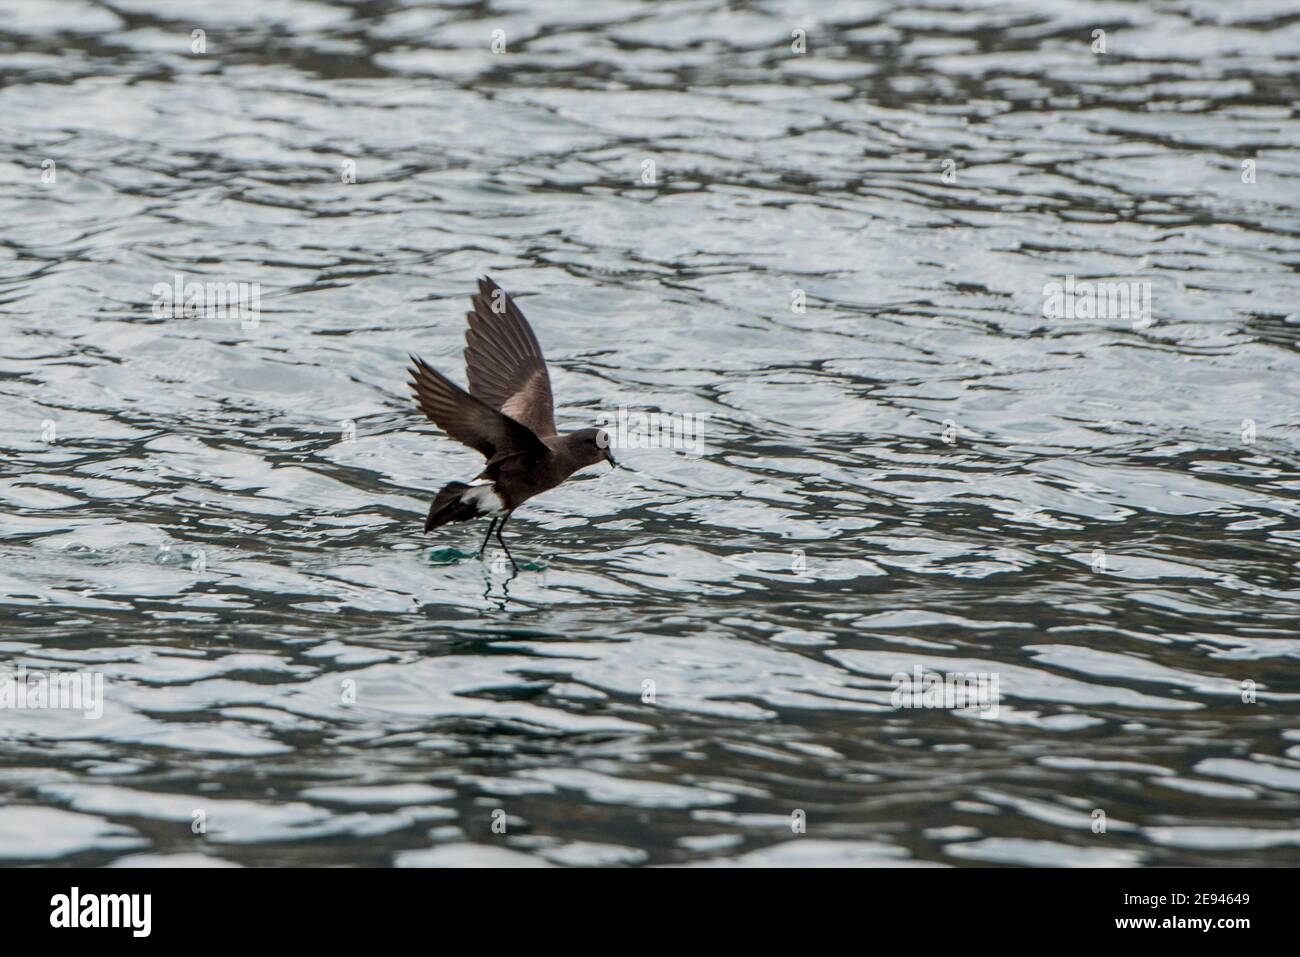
{"points": [[513, 481], [507, 416]]}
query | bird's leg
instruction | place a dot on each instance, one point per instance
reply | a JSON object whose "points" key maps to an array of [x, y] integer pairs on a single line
{"points": [[483, 547], [503, 542]]}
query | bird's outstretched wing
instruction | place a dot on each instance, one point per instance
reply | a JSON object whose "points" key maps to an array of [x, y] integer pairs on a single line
{"points": [[467, 419], [504, 363]]}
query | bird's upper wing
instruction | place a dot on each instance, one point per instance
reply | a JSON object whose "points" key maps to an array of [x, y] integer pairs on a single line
{"points": [[467, 419], [504, 363]]}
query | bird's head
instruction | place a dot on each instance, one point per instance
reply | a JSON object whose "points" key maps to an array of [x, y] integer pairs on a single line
{"points": [[592, 446]]}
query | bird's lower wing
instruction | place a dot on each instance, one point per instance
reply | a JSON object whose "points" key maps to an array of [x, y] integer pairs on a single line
{"points": [[467, 419]]}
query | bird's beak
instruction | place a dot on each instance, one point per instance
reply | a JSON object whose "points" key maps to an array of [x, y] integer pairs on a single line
{"points": [[610, 458]]}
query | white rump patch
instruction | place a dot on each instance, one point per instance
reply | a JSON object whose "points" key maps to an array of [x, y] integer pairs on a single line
{"points": [[484, 497]]}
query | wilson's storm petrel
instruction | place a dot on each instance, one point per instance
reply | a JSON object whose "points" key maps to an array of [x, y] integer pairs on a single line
{"points": [[507, 415]]}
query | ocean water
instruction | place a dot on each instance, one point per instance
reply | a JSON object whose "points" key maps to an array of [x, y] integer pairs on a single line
{"points": [[990, 337]]}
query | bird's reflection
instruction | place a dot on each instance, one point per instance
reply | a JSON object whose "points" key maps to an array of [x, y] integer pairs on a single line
{"points": [[501, 569]]}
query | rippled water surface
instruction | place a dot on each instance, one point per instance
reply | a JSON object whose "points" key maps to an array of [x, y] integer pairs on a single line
{"points": [[917, 469]]}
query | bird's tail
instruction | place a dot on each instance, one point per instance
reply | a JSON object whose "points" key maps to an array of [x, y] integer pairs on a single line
{"points": [[449, 506]]}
